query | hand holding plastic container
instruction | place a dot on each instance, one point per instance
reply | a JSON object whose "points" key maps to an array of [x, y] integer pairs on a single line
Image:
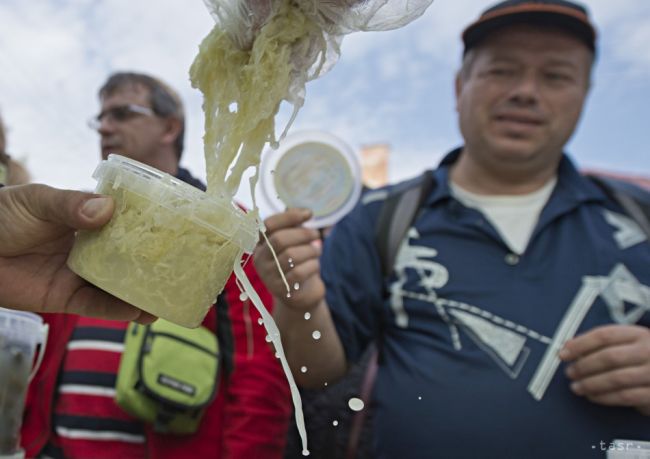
{"points": [[169, 248]]}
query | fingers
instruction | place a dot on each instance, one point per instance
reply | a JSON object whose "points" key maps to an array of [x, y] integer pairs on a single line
{"points": [[297, 255], [286, 239], [292, 244], [288, 219], [601, 337], [613, 381], [302, 272], [292, 257], [93, 302], [297, 270], [609, 358], [74, 209], [611, 365]]}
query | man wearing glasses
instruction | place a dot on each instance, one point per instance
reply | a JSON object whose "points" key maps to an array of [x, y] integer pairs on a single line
{"points": [[142, 118]]}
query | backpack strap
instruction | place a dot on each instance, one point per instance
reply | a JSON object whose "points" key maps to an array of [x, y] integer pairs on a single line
{"points": [[223, 330], [397, 215], [634, 201]]}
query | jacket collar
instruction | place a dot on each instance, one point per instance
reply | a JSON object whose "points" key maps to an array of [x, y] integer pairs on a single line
{"points": [[571, 185]]}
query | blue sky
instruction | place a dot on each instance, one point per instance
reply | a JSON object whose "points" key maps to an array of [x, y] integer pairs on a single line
{"points": [[391, 87]]}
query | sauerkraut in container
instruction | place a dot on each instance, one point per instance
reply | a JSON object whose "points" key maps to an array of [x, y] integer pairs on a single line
{"points": [[169, 248]]}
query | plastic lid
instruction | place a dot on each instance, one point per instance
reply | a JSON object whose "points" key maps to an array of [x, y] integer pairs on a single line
{"points": [[177, 196], [314, 170]]}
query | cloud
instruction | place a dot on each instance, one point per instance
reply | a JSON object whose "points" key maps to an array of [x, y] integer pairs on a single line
{"points": [[57, 53]]}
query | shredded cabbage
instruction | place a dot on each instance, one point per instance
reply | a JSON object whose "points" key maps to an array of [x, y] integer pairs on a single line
{"points": [[157, 258], [243, 90]]}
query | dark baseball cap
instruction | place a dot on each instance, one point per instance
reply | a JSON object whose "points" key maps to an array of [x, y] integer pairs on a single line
{"points": [[572, 17]]}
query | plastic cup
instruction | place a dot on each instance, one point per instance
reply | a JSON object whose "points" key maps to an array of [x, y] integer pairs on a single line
{"points": [[169, 248], [20, 334]]}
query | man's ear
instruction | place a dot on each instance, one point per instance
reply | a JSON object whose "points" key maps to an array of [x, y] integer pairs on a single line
{"points": [[172, 130], [458, 87]]}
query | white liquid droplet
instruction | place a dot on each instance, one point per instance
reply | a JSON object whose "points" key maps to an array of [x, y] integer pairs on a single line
{"points": [[303, 369], [355, 404], [325, 384], [316, 335], [268, 339], [335, 423], [260, 321], [420, 398], [307, 316], [305, 452], [243, 296], [288, 295], [296, 286]]}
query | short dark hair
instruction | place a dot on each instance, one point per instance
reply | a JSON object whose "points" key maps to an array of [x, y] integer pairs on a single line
{"points": [[164, 101]]}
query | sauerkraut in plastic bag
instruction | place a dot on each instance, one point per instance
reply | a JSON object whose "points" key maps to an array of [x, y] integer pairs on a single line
{"points": [[262, 52]]}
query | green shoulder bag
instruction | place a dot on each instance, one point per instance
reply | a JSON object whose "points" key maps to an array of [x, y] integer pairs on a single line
{"points": [[168, 374]]}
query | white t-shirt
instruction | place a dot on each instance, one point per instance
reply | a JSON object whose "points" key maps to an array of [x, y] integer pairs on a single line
{"points": [[514, 216]]}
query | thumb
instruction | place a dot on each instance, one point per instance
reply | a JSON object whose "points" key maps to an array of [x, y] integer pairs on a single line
{"points": [[95, 211], [74, 209]]}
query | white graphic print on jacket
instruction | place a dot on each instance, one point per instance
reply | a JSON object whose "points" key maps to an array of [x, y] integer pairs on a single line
{"points": [[503, 340]]}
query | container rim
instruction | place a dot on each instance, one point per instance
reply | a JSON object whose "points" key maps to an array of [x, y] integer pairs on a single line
{"points": [[245, 233], [25, 315]]}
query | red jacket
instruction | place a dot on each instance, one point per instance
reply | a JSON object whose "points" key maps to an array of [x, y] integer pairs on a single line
{"points": [[247, 420]]}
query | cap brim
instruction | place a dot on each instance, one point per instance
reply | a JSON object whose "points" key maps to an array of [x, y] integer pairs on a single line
{"points": [[477, 31]]}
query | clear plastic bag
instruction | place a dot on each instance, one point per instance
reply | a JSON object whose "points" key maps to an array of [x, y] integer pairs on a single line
{"points": [[347, 16], [261, 52], [242, 19]]}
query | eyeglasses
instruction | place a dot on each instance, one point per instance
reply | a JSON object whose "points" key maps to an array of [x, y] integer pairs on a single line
{"points": [[120, 114]]}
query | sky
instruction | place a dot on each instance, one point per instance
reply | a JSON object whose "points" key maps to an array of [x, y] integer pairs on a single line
{"points": [[393, 87]]}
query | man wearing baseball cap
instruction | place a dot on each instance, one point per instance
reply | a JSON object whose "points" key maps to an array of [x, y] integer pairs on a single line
{"points": [[515, 321]]}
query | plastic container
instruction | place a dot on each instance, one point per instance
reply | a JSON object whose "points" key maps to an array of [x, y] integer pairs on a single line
{"points": [[314, 170], [20, 334], [169, 248]]}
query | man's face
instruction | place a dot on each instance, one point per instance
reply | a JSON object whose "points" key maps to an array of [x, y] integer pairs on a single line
{"points": [[521, 96], [137, 134]]}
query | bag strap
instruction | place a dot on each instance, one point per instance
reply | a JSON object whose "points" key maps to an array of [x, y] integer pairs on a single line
{"points": [[398, 212], [223, 330], [396, 216], [629, 198]]}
